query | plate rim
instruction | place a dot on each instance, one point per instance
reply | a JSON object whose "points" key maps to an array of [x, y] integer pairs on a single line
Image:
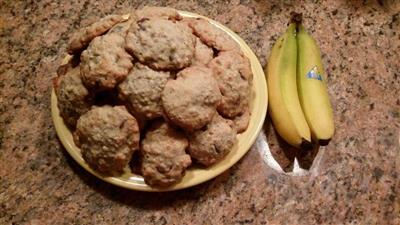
{"points": [[263, 99]]}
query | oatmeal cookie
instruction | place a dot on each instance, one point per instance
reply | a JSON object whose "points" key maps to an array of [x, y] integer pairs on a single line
{"points": [[190, 101], [241, 121], [202, 54], [123, 27], [212, 143], [158, 12], [107, 137], [81, 39], [73, 99], [233, 75], [161, 44], [164, 159], [105, 62], [212, 35], [142, 90]]}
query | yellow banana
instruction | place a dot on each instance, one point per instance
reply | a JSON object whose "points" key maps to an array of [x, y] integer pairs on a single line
{"points": [[311, 82], [284, 106]]}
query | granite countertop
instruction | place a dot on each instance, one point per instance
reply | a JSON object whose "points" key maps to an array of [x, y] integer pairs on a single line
{"points": [[354, 180]]}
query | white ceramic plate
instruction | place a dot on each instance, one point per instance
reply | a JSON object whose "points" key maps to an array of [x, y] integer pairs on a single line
{"points": [[193, 176]]}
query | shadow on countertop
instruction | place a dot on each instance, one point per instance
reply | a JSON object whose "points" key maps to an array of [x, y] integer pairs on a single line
{"points": [[146, 200], [285, 154]]}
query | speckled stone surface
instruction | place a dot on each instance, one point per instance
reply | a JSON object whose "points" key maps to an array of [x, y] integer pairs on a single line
{"points": [[356, 179]]}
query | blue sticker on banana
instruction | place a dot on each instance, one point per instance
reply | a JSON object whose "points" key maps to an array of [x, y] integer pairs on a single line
{"points": [[313, 74]]}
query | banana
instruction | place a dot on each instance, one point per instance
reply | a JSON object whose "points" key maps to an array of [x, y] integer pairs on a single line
{"points": [[311, 84], [284, 106]]}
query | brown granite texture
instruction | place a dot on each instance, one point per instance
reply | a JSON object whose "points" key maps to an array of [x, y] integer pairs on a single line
{"points": [[357, 180]]}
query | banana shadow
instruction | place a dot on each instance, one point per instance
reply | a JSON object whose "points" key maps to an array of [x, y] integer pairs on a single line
{"points": [[306, 158], [284, 153]]}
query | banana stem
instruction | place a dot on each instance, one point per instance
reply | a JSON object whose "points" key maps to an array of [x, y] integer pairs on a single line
{"points": [[296, 18]]}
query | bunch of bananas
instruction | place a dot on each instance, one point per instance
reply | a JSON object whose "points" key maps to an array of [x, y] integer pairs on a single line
{"points": [[299, 103]]}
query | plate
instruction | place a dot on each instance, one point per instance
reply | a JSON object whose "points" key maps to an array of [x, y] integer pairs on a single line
{"points": [[193, 176]]}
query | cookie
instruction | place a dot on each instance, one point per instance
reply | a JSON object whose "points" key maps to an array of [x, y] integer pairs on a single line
{"points": [[73, 99], [241, 121], [105, 62], [158, 12], [190, 101], [123, 27], [209, 145], [212, 36], [81, 39], [161, 44], [233, 74], [202, 54], [164, 159], [107, 137], [142, 90]]}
